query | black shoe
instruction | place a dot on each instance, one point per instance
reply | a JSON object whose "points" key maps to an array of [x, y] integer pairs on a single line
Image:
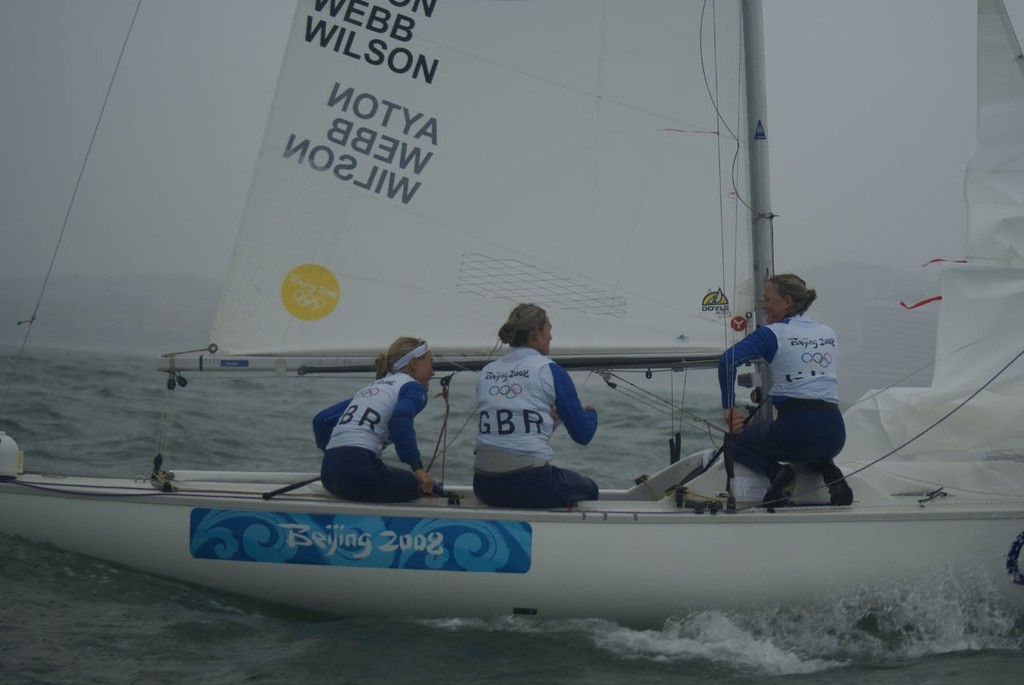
{"points": [[839, 492], [781, 487]]}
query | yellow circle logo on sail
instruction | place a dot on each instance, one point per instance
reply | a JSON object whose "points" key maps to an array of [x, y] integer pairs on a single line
{"points": [[310, 292]]}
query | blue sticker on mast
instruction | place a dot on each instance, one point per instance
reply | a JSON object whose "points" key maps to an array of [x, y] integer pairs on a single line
{"points": [[426, 544], [759, 131]]}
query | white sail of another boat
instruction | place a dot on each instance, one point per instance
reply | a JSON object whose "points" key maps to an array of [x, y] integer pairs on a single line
{"points": [[978, 375]]}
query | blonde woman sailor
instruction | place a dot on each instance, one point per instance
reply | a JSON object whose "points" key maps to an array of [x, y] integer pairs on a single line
{"points": [[804, 359], [354, 433], [521, 399]]}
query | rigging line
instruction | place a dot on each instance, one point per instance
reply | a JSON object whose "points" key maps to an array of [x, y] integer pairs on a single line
{"points": [[654, 404], [735, 183], [896, 382], [168, 408], [106, 491], [441, 447], [67, 215], [703, 68], [709, 428], [718, 149], [734, 171], [915, 372], [736, 212], [85, 490], [718, 112], [734, 163], [713, 97], [638, 394], [163, 427], [645, 398], [733, 177], [678, 425], [682, 395], [651, 400], [1005, 496], [469, 417]]}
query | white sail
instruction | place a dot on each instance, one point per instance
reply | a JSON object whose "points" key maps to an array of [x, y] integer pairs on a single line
{"points": [[971, 406], [995, 174], [429, 163]]}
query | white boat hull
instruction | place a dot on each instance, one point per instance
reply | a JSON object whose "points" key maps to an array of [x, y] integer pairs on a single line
{"points": [[630, 559]]}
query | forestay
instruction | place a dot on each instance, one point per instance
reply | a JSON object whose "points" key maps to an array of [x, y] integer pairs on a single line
{"points": [[427, 163]]}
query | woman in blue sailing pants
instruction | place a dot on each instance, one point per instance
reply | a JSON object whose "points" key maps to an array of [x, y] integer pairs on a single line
{"points": [[803, 357], [521, 399], [353, 433]]}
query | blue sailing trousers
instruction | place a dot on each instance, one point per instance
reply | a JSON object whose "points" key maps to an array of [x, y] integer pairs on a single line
{"points": [[545, 487], [799, 437], [357, 474]]}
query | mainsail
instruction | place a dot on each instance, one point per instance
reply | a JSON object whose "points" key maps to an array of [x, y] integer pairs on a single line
{"points": [[429, 163], [970, 406]]}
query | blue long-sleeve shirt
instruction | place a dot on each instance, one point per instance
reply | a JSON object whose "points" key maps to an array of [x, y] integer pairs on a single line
{"points": [[761, 344], [581, 424]]}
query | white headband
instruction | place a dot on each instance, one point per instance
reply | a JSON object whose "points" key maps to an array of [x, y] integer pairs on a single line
{"points": [[409, 356]]}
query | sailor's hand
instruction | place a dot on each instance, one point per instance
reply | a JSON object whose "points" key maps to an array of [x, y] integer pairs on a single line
{"points": [[733, 419], [426, 486], [554, 417]]}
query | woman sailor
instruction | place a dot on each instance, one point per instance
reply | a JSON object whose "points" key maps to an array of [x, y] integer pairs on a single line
{"points": [[521, 399], [353, 433], [804, 359]]}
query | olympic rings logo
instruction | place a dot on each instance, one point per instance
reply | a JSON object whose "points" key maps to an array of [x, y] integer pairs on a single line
{"points": [[308, 301], [824, 360], [369, 392], [507, 391]]}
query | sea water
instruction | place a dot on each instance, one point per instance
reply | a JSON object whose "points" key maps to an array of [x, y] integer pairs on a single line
{"points": [[70, 619]]}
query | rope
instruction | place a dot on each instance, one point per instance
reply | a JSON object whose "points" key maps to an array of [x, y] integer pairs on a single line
{"points": [[913, 439], [659, 404], [67, 215], [943, 418], [442, 446]]}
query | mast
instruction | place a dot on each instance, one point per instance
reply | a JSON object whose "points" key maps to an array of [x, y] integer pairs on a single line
{"points": [[762, 245]]}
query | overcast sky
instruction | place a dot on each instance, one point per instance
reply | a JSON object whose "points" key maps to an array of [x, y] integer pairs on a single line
{"points": [[871, 119]]}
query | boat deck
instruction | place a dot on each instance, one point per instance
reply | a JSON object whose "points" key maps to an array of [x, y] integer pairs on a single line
{"points": [[678, 491]]}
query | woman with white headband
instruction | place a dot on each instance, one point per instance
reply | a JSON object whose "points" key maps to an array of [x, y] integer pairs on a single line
{"points": [[353, 433]]}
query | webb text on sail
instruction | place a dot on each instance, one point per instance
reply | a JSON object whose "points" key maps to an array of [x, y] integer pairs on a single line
{"points": [[388, 27], [361, 135]]}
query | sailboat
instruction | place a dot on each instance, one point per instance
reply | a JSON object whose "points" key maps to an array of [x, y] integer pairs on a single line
{"points": [[429, 163]]}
